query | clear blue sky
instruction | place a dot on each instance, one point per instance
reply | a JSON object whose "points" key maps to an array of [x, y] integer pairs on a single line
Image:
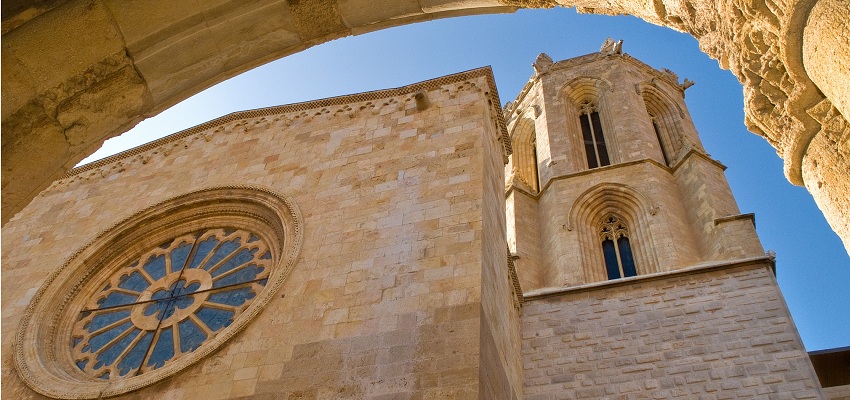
{"points": [[813, 268]]}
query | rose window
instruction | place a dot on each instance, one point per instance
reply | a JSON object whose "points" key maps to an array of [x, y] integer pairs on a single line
{"points": [[168, 302]]}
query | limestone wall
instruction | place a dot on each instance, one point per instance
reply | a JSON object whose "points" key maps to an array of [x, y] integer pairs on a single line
{"points": [[713, 333], [78, 72], [386, 299]]}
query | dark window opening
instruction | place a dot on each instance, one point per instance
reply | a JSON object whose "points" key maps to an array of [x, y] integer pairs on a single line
{"points": [[616, 249], [660, 142], [594, 140]]}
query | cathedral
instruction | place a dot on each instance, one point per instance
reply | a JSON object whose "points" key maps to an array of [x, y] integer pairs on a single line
{"points": [[421, 242]]}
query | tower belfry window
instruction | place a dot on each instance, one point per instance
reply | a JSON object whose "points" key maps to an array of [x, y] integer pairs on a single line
{"points": [[619, 261], [594, 140], [660, 140]]}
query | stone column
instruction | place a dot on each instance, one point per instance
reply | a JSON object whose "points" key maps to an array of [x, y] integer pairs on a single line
{"points": [[826, 163], [826, 51]]}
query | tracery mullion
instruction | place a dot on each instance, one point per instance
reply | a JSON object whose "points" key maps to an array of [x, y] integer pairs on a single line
{"points": [[210, 253], [168, 269], [117, 306], [145, 275], [232, 271], [129, 348], [175, 338], [110, 326], [221, 306], [201, 324], [225, 288], [148, 352], [158, 329], [594, 138], [112, 342], [619, 259], [227, 258], [126, 291], [185, 263]]}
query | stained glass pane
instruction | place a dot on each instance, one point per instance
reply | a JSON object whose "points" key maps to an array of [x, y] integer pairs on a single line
{"points": [[214, 318], [134, 358], [204, 248], [163, 350], [191, 336], [153, 310], [588, 142], [155, 267], [116, 299], [600, 140], [220, 253], [179, 256], [134, 282], [626, 256], [610, 254]]}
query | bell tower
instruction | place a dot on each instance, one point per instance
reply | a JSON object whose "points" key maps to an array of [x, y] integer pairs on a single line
{"points": [[609, 179], [640, 276]]}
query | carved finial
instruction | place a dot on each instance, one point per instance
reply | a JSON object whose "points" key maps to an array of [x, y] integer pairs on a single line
{"points": [[542, 63], [607, 46], [686, 84], [610, 47]]}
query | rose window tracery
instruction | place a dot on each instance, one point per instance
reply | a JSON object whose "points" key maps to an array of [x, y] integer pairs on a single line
{"points": [[169, 301]]}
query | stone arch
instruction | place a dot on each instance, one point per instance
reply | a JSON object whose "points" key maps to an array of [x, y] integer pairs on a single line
{"points": [[61, 102], [524, 156], [576, 93], [627, 203], [666, 116]]}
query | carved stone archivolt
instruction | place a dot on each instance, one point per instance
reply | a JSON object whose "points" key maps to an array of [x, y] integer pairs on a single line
{"points": [[157, 292]]}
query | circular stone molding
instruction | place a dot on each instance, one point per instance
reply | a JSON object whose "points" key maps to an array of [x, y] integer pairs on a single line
{"points": [[157, 292]]}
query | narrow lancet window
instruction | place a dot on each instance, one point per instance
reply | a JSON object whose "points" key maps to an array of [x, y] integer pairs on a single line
{"points": [[616, 249], [594, 140], [534, 170], [660, 141]]}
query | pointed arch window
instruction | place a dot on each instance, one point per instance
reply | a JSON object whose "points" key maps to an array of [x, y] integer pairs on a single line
{"points": [[594, 140], [616, 248], [657, 127]]}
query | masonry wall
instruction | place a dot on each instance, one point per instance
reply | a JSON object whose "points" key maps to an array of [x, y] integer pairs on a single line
{"points": [[500, 368], [385, 300], [722, 333]]}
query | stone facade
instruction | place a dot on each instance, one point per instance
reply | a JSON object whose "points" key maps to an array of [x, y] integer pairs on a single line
{"points": [[406, 283], [712, 333], [78, 72], [403, 218], [703, 317]]}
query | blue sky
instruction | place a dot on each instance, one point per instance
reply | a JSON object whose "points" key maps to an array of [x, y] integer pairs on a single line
{"points": [[813, 268]]}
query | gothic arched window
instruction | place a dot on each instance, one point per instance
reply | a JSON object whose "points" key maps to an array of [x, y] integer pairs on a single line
{"points": [[656, 126], [619, 261], [594, 140]]}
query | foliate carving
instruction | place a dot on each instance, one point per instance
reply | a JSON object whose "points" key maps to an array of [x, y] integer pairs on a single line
{"points": [[542, 64]]}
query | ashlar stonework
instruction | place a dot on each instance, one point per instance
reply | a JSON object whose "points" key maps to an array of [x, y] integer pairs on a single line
{"points": [[78, 72], [448, 248]]}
